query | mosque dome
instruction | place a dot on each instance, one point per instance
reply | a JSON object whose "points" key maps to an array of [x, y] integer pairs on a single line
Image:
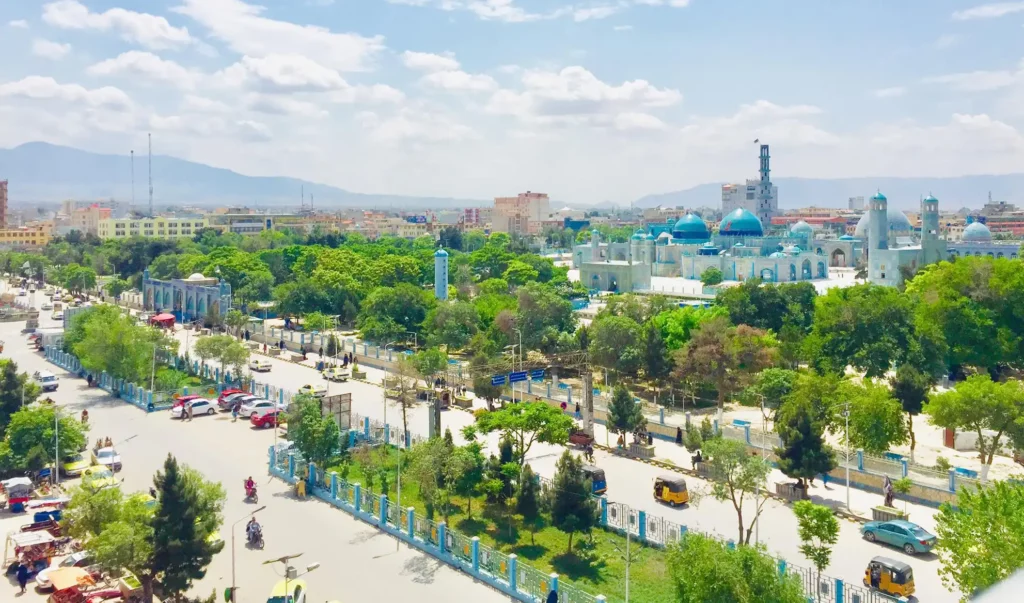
{"points": [[777, 254], [440, 253], [802, 229], [879, 197], [690, 226], [793, 250], [196, 276], [930, 199], [976, 232], [664, 238], [638, 235], [898, 224], [741, 223], [649, 237]]}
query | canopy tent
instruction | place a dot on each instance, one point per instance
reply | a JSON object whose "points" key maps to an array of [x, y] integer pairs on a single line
{"points": [[19, 541], [164, 320], [66, 577]]}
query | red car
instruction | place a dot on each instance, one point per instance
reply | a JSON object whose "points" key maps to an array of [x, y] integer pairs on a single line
{"points": [[268, 420], [182, 400]]}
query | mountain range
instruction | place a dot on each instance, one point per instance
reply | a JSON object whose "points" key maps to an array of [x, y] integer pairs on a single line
{"points": [[42, 172]]}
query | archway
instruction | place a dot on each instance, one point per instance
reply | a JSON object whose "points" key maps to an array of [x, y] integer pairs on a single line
{"points": [[215, 308], [999, 255], [147, 301], [167, 299], [805, 270], [838, 259], [792, 272], [820, 251], [620, 256], [822, 272], [178, 301], [990, 254], [200, 305], [612, 285], [768, 275]]}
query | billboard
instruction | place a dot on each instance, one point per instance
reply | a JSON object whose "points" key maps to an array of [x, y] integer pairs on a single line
{"points": [[339, 407], [416, 219]]}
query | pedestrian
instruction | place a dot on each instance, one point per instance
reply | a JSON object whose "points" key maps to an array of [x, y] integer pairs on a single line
{"points": [[578, 414], [679, 435], [564, 406], [247, 334], [264, 348], [22, 576], [321, 354], [235, 408], [189, 407]]}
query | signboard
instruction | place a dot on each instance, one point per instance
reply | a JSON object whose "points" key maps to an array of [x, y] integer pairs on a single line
{"points": [[416, 219], [339, 407], [517, 377], [498, 380], [537, 374]]}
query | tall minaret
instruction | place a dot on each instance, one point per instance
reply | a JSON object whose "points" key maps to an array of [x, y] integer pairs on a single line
{"points": [[441, 274], [878, 222], [932, 248], [767, 204]]}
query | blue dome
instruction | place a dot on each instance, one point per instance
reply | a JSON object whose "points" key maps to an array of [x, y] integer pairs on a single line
{"points": [[638, 235], [977, 232], [930, 199], [879, 197], [741, 223], [898, 223], [802, 229], [440, 253], [649, 237], [690, 226]]}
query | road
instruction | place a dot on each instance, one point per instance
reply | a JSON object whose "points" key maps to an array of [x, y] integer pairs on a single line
{"points": [[358, 563], [631, 482]]}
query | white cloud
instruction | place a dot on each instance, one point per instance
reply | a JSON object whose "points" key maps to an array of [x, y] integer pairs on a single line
{"points": [[283, 105], [673, 3], [460, 81], [969, 134], [147, 65], [243, 28], [147, 30], [37, 87], [977, 81], [248, 131], [375, 94], [509, 11], [767, 121], [946, 41], [989, 11], [892, 92], [201, 104], [282, 72], [414, 125], [592, 13], [50, 50], [638, 121], [623, 28], [425, 61], [18, 23]]}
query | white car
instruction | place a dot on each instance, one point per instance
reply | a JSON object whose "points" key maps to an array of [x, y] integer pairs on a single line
{"points": [[258, 408], [319, 389], [45, 380], [58, 315], [200, 406], [21, 292], [46, 306], [107, 457], [259, 365]]}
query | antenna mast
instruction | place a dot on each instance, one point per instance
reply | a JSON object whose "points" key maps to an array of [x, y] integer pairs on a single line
{"points": [[150, 137], [133, 179]]}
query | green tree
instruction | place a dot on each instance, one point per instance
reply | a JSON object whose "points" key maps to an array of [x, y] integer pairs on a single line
{"points": [[613, 343], [453, 324], [470, 466], [430, 362], [624, 414], [678, 324], [519, 273], [703, 569], [910, 387], [711, 277], [524, 423], [15, 391], [317, 321], [772, 386], [482, 386], [115, 287], [30, 436], [981, 539], [317, 437], [127, 543], [981, 406], [389, 312], [818, 530], [736, 476], [528, 501], [493, 286], [801, 428], [236, 320], [573, 509], [656, 362], [876, 419]]}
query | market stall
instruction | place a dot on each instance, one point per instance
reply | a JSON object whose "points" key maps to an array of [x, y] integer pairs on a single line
{"points": [[68, 583], [34, 549], [15, 493]]}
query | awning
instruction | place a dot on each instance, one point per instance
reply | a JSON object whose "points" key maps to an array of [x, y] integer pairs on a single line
{"points": [[24, 539], [66, 577], [163, 317]]}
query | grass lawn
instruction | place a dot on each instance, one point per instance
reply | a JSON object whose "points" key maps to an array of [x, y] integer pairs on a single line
{"points": [[596, 564]]}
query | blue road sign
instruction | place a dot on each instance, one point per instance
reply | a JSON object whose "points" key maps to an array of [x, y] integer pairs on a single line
{"points": [[537, 374], [517, 377], [498, 380]]}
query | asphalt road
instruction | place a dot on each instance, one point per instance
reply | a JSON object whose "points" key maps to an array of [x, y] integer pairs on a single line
{"points": [[358, 563]]}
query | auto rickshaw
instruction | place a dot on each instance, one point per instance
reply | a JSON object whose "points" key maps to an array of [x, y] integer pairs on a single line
{"points": [[599, 484], [890, 577], [671, 489]]}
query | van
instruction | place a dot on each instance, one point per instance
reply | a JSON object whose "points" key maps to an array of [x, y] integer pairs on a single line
{"points": [[46, 380]]}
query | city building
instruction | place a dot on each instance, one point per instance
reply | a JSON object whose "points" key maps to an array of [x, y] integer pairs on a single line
{"points": [[760, 197], [3, 204], [855, 203], [87, 219], [520, 215], [160, 227], [188, 299], [32, 235]]}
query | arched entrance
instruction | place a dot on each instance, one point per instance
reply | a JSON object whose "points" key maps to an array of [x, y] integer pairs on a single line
{"points": [[838, 259], [792, 272], [768, 275], [147, 301], [822, 272], [805, 270]]}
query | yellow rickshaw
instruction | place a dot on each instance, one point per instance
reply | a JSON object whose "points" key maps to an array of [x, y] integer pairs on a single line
{"points": [[671, 489], [890, 577]]}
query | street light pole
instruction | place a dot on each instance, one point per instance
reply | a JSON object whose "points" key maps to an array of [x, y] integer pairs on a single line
{"points": [[56, 445], [384, 394], [233, 548], [846, 413]]}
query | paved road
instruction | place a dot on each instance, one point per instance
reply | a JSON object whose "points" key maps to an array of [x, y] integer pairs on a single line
{"points": [[631, 482], [358, 563]]}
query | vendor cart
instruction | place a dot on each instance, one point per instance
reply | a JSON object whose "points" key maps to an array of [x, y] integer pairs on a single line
{"points": [[68, 583], [35, 549], [15, 493]]}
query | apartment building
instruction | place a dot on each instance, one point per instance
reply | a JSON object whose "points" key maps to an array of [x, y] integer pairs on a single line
{"points": [[32, 235], [522, 214], [160, 227]]}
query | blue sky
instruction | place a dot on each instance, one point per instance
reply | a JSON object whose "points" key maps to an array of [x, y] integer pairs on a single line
{"points": [[589, 101]]}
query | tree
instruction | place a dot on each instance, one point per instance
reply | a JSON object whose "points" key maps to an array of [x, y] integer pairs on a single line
{"points": [[430, 362], [126, 543], [453, 324], [30, 437], [317, 321], [519, 273], [711, 277], [704, 569], [78, 279], [493, 286], [613, 343], [678, 324], [573, 508], [624, 414], [117, 286], [317, 437], [181, 550], [724, 356], [469, 468], [482, 386], [524, 423], [771, 386], [437, 468], [656, 363], [818, 529], [801, 427], [389, 312], [450, 237], [910, 386], [528, 500], [981, 405], [876, 419], [981, 539], [236, 320], [404, 384], [736, 475]]}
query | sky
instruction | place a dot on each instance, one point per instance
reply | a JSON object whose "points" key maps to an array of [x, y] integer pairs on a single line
{"points": [[588, 101]]}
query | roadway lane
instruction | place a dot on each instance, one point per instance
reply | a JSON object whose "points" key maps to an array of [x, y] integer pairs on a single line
{"points": [[631, 482], [358, 563]]}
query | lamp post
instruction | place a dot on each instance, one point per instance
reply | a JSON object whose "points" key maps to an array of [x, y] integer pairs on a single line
{"points": [[520, 333], [512, 348], [846, 437], [764, 429], [384, 395], [233, 547]]}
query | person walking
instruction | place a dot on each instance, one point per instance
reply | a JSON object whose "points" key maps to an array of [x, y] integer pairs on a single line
{"points": [[321, 354], [235, 408], [189, 409], [22, 576], [578, 414]]}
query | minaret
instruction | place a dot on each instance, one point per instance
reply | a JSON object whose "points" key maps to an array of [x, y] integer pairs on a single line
{"points": [[932, 248], [767, 204], [595, 245], [878, 222], [441, 275]]}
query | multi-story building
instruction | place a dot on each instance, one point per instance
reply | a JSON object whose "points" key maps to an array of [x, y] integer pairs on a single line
{"points": [[87, 219], [758, 196], [856, 203], [476, 216], [160, 227], [35, 234], [3, 204], [522, 214]]}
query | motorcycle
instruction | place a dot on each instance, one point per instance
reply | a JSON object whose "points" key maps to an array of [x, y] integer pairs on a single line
{"points": [[251, 494], [256, 538]]}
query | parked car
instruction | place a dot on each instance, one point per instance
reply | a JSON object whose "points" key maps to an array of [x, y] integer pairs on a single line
{"points": [[46, 380], [178, 402], [259, 365], [200, 406], [910, 537], [337, 373], [79, 559], [58, 315], [268, 419], [107, 457], [243, 399], [258, 408], [46, 306], [230, 392], [314, 389], [74, 465], [95, 479]]}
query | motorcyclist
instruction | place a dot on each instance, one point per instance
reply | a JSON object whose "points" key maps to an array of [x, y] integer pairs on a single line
{"points": [[250, 486], [252, 529], [85, 416]]}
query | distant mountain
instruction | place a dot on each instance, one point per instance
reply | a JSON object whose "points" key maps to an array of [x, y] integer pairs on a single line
{"points": [[41, 172], [903, 193]]}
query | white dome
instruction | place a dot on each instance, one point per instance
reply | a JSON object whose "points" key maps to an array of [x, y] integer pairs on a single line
{"points": [[898, 223], [195, 276], [976, 232]]}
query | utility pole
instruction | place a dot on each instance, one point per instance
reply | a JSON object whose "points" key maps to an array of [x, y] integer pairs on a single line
{"points": [[150, 138]]}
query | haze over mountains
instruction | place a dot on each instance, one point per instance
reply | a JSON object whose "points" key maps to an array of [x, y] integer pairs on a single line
{"points": [[42, 172]]}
